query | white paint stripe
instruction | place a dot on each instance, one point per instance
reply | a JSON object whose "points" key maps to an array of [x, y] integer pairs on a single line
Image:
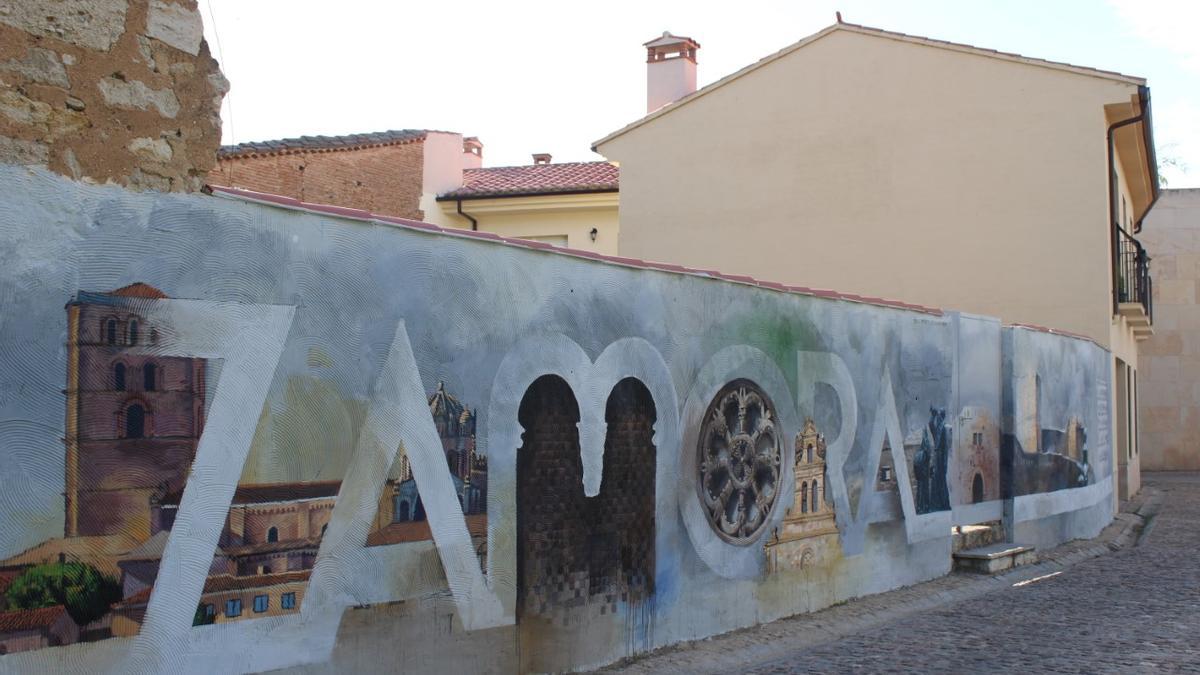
{"points": [[1045, 504]]}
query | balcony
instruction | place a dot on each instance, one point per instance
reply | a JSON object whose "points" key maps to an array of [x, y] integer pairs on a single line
{"points": [[1134, 292]]}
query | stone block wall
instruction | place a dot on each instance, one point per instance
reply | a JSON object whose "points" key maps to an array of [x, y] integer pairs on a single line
{"points": [[121, 91], [1169, 362], [384, 179]]}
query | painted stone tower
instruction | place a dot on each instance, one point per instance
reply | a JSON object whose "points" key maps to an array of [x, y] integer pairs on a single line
{"points": [[976, 469], [132, 420], [455, 424], [808, 534]]}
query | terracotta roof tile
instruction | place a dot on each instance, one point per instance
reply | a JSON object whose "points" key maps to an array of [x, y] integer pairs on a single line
{"points": [[30, 619], [261, 493], [139, 290], [418, 530], [7, 576], [285, 146], [272, 547], [537, 179], [222, 583]]}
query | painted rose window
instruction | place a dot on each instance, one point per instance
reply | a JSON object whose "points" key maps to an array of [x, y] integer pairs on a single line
{"points": [[739, 461]]}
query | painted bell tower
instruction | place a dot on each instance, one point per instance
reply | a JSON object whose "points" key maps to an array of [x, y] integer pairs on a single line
{"points": [[132, 420]]}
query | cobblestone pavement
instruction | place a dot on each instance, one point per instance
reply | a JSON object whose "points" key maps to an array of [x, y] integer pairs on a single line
{"points": [[1128, 601]]}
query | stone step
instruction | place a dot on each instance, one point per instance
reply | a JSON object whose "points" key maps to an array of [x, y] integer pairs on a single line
{"points": [[994, 558], [976, 536]]}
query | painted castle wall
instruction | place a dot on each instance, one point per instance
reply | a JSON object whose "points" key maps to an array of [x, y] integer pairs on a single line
{"points": [[661, 411]]}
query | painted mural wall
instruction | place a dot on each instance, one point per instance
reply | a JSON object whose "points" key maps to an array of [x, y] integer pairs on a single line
{"points": [[242, 437]]}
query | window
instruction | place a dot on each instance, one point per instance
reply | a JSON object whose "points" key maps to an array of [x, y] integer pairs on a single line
{"points": [[810, 449], [261, 603], [288, 601], [813, 501], [273, 534], [149, 376], [133, 331], [119, 377], [233, 607], [804, 498], [135, 421], [110, 331]]}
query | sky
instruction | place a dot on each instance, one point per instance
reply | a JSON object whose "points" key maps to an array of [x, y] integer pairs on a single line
{"points": [[538, 76]]}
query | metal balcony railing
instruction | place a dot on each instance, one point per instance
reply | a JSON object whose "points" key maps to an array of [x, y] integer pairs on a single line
{"points": [[1133, 282]]}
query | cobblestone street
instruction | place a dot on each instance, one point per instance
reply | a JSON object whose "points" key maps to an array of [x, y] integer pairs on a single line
{"points": [[1126, 602]]}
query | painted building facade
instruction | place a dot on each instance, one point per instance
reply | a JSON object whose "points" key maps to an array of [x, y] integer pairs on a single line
{"points": [[133, 420], [639, 423]]}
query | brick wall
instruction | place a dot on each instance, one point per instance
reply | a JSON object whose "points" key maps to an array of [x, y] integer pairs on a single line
{"points": [[382, 179], [121, 91]]}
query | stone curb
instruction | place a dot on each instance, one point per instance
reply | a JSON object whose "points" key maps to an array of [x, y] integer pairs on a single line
{"points": [[761, 645]]}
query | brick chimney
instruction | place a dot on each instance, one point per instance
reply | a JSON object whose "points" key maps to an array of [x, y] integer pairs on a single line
{"points": [[541, 158], [670, 69], [472, 153]]}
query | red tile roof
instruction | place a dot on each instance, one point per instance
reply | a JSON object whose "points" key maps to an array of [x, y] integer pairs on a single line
{"points": [[139, 290], [262, 493], [272, 547], [30, 619], [418, 530], [537, 179], [7, 576], [222, 583], [286, 146]]}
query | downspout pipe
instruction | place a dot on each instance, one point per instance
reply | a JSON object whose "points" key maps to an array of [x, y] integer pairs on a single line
{"points": [[1151, 154], [475, 223], [1112, 207]]}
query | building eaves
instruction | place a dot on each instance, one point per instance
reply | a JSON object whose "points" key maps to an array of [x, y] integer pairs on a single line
{"points": [[285, 146], [875, 32]]}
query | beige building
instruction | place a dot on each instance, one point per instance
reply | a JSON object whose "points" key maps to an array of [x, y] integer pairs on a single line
{"points": [[1169, 388], [225, 598], [932, 172], [571, 204], [436, 177]]}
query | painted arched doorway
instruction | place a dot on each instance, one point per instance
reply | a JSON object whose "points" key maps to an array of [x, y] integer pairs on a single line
{"points": [[571, 547]]}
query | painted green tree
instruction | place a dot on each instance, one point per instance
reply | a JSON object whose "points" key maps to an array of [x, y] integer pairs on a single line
{"points": [[85, 591]]}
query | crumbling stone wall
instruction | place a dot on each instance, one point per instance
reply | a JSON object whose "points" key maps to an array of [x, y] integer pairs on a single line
{"points": [[120, 91]]}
